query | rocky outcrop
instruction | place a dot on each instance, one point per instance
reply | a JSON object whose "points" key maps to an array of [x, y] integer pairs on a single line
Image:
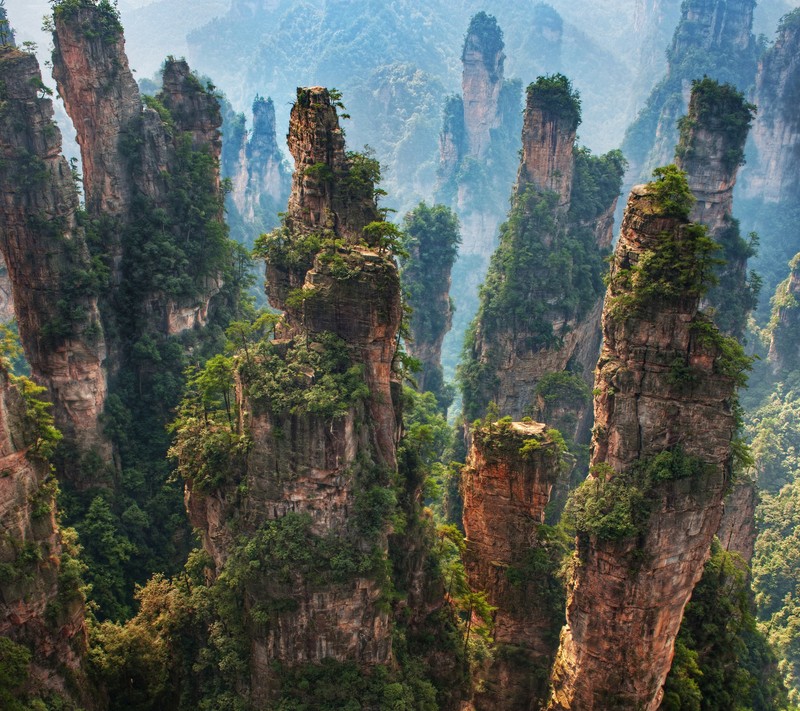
{"points": [[508, 481], [661, 454], [48, 261], [784, 347], [714, 38], [317, 410], [710, 150], [773, 175], [260, 181], [532, 337], [737, 532], [549, 130], [432, 238], [481, 82], [41, 606]]}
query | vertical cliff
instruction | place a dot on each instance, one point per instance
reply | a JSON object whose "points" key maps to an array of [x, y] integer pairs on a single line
{"points": [[710, 150], [661, 455], [713, 38], [259, 177], [784, 347], [312, 452], [508, 481], [770, 187], [535, 340], [41, 606], [432, 239], [54, 282]]}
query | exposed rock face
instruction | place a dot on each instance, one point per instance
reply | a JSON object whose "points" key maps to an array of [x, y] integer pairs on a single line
{"points": [[507, 483], [481, 82], [261, 176], [659, 434], [529, 325], [307, 461], [784, 347], [129, 153], [38, 608], [47, 258], [773, 177], [714, 38], [737, 532], [548, 139], [710, 150]]}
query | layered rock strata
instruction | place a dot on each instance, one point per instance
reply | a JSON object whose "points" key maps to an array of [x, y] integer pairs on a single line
{"points": [[48, 261], [508, 481], [661, 455], [312, 463]]}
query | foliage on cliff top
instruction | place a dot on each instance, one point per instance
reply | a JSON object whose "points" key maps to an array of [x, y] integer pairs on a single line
{"points": [[790, 21], [107, 16], [554, 96], [718, 108], [488, 36]]}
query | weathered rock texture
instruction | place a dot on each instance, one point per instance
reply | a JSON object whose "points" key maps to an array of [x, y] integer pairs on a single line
{"points": [[784, 347], [306, 461], [737, 532], [260, 180], [714, 38], [773, 176], [630, 584], [47, 258], [507, 483], [540, 308], [710, 150], [40, 607], [129, 151]]}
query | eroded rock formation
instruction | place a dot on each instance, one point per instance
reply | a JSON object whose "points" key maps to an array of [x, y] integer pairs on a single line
{"points": [[48, 261], [536, 338], [317, 408], [664, 423], [508, 481]]}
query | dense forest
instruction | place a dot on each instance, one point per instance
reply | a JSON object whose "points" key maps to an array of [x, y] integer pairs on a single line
{"points": [[479, 391]]}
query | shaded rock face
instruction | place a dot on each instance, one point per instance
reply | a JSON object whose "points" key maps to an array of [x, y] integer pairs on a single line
{"points": [[128, 153], [481, 82], [308, 464], [629, 587], [548, 139], [37, 608], [47, 258], [773, 176], [260, 172], [737, 532], [529, 325], [507, 482], [710, 150], [784, 347]]}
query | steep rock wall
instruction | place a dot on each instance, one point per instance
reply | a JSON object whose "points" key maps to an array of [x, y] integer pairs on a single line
{"points": [[508, 481], [48, 261], [661, 455]]}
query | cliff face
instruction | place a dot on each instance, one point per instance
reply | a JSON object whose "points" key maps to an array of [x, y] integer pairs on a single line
{"points": [[40, 605], [773, 177], [661, 456], [784, 347], [317, 410], [537, 333], [481, 82], [260, 180], [737, 532], [132, 155], [710, 150], [713, 38], [507, 483], [47, 258]]}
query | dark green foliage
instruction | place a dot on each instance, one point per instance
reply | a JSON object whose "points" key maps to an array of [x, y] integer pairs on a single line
{"points": [[719, 108], [722, 660], [488, 38], [107, 24], [14, 662], [616, 505], [554, 96]]}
